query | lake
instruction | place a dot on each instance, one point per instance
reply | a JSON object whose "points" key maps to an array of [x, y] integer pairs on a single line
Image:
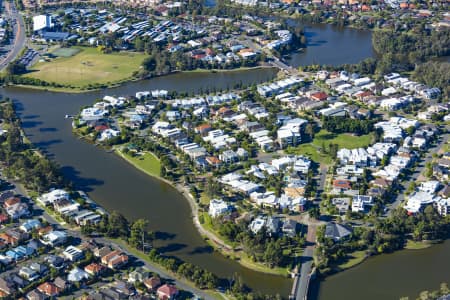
{"points": [[333, 45]]}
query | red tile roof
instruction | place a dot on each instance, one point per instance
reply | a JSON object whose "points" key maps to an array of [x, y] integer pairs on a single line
{"points": [[343, 184], [49, 289], [167, 291]]}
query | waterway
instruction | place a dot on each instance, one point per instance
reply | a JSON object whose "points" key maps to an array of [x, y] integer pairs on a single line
{"points": [[116, 185], [332, 45], [389, 276]]}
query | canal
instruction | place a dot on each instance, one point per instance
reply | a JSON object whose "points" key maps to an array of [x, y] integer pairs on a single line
{"points": [[116, 185], [389, 276]]}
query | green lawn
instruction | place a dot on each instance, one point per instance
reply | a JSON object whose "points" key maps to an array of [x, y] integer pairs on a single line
{"points": [[323, 137], [88, 66], [310, 151], [344, 140], [146, 162], [412, 245], [352, 260]]}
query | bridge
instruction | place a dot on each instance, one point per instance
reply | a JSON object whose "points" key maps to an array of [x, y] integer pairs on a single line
{"points": [[302, 278]]}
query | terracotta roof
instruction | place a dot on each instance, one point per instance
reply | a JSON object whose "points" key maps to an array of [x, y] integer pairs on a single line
{"points": [[8, 238], [118, 260], [167, 290], [94, 269], [106, 258], [213, 160], [3, 218], [49, 289], [45, 230], [343, 184], [202, 127], [12, 201], [319, 96]]}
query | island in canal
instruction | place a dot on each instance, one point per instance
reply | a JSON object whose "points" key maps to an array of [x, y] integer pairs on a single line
{"points": [[303, 176]]}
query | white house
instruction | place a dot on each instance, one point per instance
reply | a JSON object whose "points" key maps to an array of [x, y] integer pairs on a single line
{"points": [[77, 275], [51, 197], [218, 207], [360, 203], [257, 224]]}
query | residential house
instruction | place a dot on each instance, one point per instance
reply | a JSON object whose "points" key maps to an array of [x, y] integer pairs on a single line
{"points": [[3, 218], [229, 156], [257, 224], [203, 129], [28, 273], [49, 289], [36, 295], [115, 259], [55, 261], [342, 204], [77, 275], [341, 185], [218, 207], [337, 231], [213, 161], [167, 292], [138, 275], [41, 269], [101, 251], [18, 210], [30, 225], [289, 227], [73, 253], [361, 202], [95, 269], [152, 283], [7, 286], [273, 226], [62, 284], [54, 238]]}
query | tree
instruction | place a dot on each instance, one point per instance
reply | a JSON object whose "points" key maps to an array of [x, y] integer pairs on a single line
{"points": [[139, 234], [149, 64], [309, 130], [16, 68], [314, 212], [117, 225], [273, 253]]}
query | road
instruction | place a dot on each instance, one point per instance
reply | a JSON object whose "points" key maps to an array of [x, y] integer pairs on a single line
{"points": [[419, 170], [19, 34]]}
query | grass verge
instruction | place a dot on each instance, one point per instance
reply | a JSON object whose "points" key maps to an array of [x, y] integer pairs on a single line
{"points": [[146, 162]]}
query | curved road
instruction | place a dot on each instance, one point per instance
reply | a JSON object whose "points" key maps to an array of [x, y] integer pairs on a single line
{"points": [[19, 34]]}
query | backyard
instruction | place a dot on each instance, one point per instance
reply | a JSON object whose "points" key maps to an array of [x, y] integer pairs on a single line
{"points": [[82, 66]]}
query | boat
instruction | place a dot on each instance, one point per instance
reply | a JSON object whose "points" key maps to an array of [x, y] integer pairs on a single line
{"points": [[68, 116]]}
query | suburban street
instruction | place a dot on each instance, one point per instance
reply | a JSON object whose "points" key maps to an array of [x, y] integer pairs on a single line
{"points": [[419, 170], [19, 34]]}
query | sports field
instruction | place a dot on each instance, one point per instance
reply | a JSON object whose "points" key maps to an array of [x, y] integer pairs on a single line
{"points": [[81, 66]]}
